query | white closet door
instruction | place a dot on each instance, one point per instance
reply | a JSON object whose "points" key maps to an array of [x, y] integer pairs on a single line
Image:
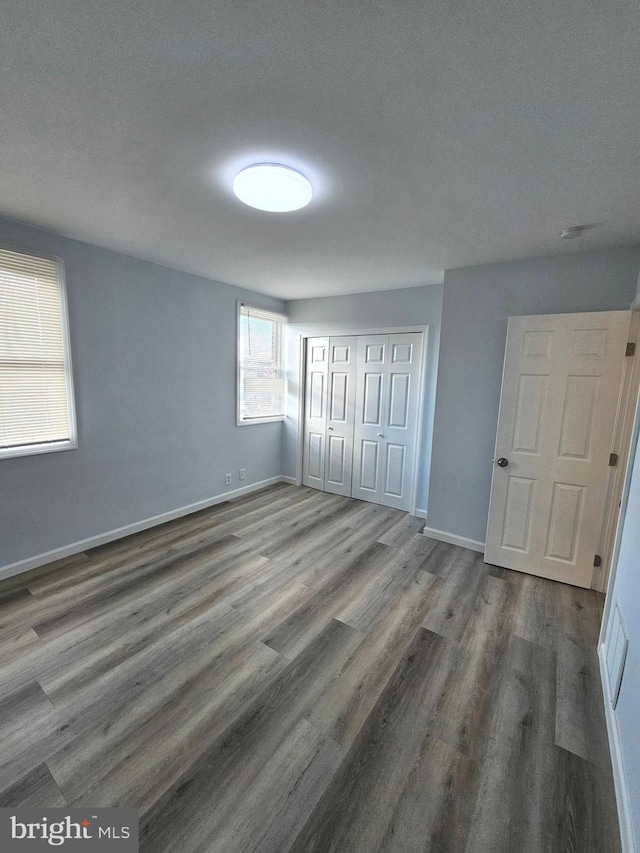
{"points": [[400, 420], [315, 409], [369, 437], [386, 418], [341, 389]]}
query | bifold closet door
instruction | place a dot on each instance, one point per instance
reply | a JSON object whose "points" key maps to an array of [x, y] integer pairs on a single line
{"points": [[315, 412], [330, 389], [341, 391], [386, 418]]}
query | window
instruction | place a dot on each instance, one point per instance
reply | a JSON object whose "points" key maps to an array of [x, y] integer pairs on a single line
{"points": [[260, 367], [36, 394]]}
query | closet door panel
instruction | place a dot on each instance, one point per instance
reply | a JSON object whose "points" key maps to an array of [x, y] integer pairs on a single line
{"points": [[315, 418], [371, 393], [340, 414], [400, 419]]}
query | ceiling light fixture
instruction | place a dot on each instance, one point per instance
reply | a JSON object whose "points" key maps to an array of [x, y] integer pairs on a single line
{"points": [[272, 187]]}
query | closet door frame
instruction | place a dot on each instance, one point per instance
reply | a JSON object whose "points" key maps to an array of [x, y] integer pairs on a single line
{"points": [[330, 332]]}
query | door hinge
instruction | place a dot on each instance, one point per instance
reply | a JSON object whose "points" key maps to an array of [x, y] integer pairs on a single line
{"points": [[631, 348], [597, 561], [613, 460]]}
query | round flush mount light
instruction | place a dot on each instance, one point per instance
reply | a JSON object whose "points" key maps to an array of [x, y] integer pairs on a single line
{"points": [[272, 187]]}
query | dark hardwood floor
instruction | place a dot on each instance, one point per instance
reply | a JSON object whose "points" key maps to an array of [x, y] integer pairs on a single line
{"points": [[297, 671]]}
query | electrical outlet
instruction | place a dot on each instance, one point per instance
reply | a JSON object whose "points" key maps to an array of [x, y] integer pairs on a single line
{"points": [[227, 479], [241, 474]]}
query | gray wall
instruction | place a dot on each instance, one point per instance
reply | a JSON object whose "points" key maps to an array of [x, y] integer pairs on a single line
{"points": [[625, 592], [477, 303], [154, 358], [415, 306]]}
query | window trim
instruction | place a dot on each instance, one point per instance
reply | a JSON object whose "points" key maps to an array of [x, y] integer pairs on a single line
{"points": [[251, 421], [72, 442]]}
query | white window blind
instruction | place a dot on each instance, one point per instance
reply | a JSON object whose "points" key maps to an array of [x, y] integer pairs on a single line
{"points": [[36, 412], [260, 373]]}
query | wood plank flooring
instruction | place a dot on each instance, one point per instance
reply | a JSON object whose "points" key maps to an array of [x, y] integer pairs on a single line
{"points": [[295, 671]]}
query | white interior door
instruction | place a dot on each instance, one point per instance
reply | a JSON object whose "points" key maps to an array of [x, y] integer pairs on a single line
{"points": [[369, 435], [386, 418], [560, 391], [341, 390], [315, 413]]}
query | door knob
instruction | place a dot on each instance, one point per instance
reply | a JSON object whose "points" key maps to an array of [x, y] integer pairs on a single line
{"points": [[331, 428], [502, 462], [380, 435]]}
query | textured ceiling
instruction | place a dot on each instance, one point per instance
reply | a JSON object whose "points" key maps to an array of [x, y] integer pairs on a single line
{"points": [[436, 134]]}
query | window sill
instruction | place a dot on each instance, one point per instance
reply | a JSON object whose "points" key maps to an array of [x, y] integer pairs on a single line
{"points": [[251, 421], [33, 449]]}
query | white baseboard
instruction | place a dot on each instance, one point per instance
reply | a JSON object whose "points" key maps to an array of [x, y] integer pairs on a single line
{"points": [[420, 513], [12, 569], [452, 539], [615, 749], [291, 480]]}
